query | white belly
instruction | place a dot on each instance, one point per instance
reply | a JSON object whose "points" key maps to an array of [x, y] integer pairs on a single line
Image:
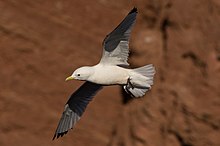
{"points": [[109, 75]]}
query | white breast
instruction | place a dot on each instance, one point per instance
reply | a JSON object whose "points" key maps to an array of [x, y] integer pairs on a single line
{"points": [[109, 75]]}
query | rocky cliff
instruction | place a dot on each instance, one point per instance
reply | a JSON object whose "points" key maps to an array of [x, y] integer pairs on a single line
{"points": [[42, 42]]}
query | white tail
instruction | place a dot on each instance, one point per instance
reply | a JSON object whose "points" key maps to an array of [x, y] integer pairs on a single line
{"points": [[141, 80]]}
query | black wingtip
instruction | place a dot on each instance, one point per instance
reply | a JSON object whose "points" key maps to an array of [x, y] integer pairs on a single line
{"points": [[57, 135], [54, 136], [134, 10]]}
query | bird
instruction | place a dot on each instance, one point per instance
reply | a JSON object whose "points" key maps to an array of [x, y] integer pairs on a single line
{"points": [[111, 70]]}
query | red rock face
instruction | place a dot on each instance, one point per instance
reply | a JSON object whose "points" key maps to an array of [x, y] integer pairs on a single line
{"points": [[42, 42]]}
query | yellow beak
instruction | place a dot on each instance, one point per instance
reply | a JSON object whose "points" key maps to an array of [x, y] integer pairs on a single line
{"points": [[69, 78]]}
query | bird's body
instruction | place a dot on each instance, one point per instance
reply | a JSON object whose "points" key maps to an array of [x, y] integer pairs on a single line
{"points": [[109, 71], [115, 75]]}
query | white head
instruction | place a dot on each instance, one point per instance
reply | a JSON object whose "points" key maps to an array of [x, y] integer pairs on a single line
{"points": [[82, 73]]}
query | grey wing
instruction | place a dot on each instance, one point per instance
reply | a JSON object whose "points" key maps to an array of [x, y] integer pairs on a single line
{"points": [[75, 107], [116, 44]]}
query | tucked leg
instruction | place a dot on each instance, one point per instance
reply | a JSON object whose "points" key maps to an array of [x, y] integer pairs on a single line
{"points": [[129, 84]]}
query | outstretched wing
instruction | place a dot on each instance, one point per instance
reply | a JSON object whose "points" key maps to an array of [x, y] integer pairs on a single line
{"points": [[75, 107], [116, 44]]}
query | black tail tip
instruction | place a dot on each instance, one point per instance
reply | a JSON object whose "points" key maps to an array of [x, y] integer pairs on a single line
{"points": [[134, 10]]}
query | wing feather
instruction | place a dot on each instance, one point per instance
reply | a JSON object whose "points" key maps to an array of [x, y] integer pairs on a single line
{"points": [[75, 107], [116, 44]]}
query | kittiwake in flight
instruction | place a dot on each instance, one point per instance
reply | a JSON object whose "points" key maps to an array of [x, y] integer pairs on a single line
{"points": [[111, 70]]}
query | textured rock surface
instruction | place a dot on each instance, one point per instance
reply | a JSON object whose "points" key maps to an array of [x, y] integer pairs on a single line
{"points": [[42, 42]]}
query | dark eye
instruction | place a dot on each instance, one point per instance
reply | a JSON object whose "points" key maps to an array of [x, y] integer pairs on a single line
{"points": [[78, 75]]}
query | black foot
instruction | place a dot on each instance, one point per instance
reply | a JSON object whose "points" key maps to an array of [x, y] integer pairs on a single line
{"points": [[129, 84]]}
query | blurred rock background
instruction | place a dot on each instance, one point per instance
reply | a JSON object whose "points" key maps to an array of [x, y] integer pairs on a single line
{"points": [[42, 42]]}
